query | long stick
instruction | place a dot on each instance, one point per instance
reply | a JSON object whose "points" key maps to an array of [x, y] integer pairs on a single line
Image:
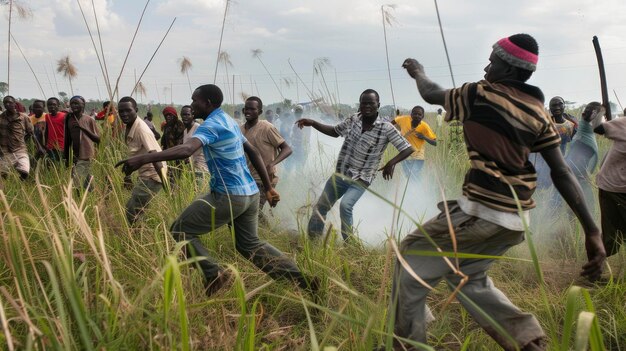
{"points": [[9, 49], [219, 47], [382, 12], [154, 54], [445, 47], [106, 70], [95, 48], [619, 102], [29, 66], [603, 87], [117, 82]]}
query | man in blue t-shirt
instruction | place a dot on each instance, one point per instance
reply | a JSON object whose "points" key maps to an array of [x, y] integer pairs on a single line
{"points": [[234, 196]]}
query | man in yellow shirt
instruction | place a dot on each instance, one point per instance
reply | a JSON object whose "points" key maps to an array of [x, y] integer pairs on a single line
{"points": [[417, 132]]}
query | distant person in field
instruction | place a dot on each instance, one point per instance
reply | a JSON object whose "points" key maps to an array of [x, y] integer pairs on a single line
{"points": [[148, 120], [140, 141], [38, 120], [269, 116], [237, 117], [582, 156], [234, 196], [108, 117], [55, 130], [503, 122], [270, 144], [611, 181], [81, 133], [200, 168], [439, 118], [299, 141], [365, 139], [15, 129], [417, 132], [173, 129], [285, 125]]}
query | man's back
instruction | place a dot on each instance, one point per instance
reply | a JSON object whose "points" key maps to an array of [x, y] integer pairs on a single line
{"points": [[503, 123]]}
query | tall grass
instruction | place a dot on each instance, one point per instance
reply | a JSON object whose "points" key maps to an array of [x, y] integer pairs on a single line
{"points": [[74, 275]]}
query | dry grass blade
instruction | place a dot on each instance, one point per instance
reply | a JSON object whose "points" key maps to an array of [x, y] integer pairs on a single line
{"points": [[406, 265]]}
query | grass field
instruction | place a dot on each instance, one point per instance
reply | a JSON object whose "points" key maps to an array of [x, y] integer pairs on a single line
{"points": [[74, 276]]}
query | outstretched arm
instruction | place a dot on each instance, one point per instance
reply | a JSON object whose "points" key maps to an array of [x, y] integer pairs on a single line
{"points": [[324, 128], [430, 91], [568, 187], [178, 152], [391, 164]]}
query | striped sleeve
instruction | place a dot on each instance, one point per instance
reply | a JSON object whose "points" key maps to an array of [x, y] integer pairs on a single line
{"points": [[396, 139], [343, 128], [459, 102], [548, 138]]}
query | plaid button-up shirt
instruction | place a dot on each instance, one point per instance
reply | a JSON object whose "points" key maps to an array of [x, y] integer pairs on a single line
{"points": [[362, 152], [13, 132]]}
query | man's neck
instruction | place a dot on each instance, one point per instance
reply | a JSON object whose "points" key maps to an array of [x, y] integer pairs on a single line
{"points": [[188, 127], [559, 119]]}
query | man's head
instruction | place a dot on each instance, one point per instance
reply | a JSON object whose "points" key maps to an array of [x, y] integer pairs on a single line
{"points": [[105, 104], [53, 105], [297, 111], [186, 114], [252, 108], [439, 111], [369, 102], [590, 109], [127, 109], [149, 116], [278, 111], [77, 104], [557, 106], [170, 115], [38, 108], [9, 104], [417, 114], [513, 58], [269, 115], [205, 99]]}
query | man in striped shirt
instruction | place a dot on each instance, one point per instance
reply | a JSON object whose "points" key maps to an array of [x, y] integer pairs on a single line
{"points": [[503, 122], [366, 138]]}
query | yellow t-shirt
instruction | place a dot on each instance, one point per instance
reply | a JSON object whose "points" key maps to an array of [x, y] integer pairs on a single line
{"points": [[404, 122]]}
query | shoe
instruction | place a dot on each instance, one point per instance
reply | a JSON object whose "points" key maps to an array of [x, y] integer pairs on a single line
{"points": [[213, 286]]}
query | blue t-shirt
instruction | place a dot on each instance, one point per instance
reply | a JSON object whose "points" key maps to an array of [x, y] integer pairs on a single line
{"points": [[223, 151]]}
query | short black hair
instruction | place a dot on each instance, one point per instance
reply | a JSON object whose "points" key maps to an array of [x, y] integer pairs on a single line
{"points": [[149, 114], [128, 99], [107, 103], [370, 91], [37, 101], [257, 99], [8, 96], [186, 106], [595, 104], [55, 99], [418, 106], [212, 93]]}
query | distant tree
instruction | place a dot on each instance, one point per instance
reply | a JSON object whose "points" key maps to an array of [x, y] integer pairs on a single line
{"points": [[63, 96], [224, 58]]}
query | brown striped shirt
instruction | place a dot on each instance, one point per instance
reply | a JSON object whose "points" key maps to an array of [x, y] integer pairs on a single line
{"points": [[502, 123]]}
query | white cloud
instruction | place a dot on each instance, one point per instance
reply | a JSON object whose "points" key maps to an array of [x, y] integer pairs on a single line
{"points": [[188, 7]]}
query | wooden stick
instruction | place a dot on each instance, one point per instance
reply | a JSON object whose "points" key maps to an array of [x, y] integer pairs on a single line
{"points": [[29, 66], [154, 54], [605, 93], [619, 102]]}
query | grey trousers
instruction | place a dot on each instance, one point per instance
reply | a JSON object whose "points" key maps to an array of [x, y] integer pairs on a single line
{"points": [[474, 235], [214, 210], [143, 192]]}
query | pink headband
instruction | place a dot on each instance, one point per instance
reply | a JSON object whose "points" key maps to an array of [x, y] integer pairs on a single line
{"points": [[515, 55]]}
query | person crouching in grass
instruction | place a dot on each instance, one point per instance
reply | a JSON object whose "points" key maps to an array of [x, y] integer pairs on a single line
{"points": [[81, 133]]}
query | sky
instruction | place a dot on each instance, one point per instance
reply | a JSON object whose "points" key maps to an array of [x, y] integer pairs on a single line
{"points": [[346, 35]]}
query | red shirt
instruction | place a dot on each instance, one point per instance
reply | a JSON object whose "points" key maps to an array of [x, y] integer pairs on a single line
{"points": [[55, 131]]}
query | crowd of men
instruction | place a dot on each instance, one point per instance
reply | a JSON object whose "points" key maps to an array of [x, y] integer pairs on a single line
{"points": [[504, 121]]}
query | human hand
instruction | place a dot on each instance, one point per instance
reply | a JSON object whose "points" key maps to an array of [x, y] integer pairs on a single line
{"points": [[304, 122], [420, 135], [596, 254], [272, 197], [413, 68], [388, 171], [130, 165]]}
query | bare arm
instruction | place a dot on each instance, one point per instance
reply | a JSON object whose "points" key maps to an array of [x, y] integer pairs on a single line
{"points": [[430, 91], [323, 128], [432, 142], [285, 151], [568, 187], [257, 163], [178, 152], [94, 137], [390, 165]]}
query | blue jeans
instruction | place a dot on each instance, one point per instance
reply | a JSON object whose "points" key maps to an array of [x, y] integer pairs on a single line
{"points": [[336, 187], [412, 168]]}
